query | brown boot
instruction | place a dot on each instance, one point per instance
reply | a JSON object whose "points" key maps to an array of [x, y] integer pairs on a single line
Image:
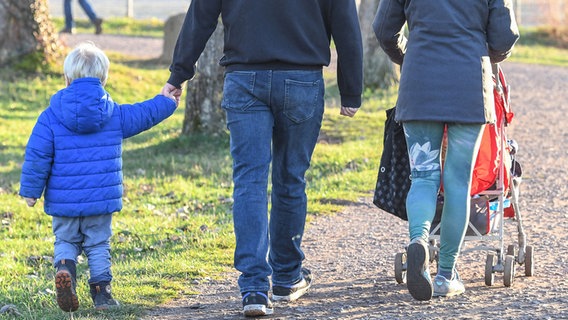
{"points": [[65, 284]]}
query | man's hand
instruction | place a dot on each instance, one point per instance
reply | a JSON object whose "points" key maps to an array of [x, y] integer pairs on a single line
{"points": [[171, 92], [348, 112], [30, 201]]}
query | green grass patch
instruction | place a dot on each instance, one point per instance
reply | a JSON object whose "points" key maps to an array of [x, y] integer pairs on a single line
{"points": [[542, 45], [176, 225]]}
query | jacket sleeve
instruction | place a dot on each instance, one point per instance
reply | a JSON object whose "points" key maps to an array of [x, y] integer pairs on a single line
{"points": [[200, 22], [388, 27], [142, 116], [346, 34], [38, 159], [502, 30]]}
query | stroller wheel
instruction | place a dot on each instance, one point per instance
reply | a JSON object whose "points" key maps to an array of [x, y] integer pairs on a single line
{"points": [[400, 267], [529, 266], [489, 263], [509, 272]]}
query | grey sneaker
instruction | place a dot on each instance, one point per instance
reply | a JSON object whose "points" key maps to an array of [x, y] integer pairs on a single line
{"points": [[448, 288], [256, 303], [295, 291], [418, 272]]}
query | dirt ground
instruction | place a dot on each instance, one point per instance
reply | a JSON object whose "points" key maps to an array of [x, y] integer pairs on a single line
{"points": [[352, 254]]}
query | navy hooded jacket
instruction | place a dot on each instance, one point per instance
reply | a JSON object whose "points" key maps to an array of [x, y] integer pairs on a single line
{"points": [[446, 60], [74, 153]]}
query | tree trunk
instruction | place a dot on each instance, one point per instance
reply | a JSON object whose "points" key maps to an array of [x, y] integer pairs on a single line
{"points": [[28, 36], [379, 71], [203, 112]]}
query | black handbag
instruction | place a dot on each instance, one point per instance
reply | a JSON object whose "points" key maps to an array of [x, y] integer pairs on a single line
{"points": [[393, 180]]}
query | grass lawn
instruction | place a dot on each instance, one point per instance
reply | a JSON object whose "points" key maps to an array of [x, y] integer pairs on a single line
{"points": [[176, 225], [542, 46]]}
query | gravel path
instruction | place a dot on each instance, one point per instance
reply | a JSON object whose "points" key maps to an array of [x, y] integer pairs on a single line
{"points": [[144, 48], [352, 254]]}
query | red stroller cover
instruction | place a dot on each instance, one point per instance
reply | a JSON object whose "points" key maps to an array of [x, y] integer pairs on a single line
{"points": [[486, 168]]}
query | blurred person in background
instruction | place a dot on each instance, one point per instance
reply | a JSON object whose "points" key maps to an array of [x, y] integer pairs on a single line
{"points": [[70, 23]]}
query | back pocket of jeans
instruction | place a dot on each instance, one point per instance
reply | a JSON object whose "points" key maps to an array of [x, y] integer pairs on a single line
{"points": [[238, 90], [301, 99]]}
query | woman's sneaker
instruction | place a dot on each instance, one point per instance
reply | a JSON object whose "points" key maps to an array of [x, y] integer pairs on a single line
{"points": [[65, 285], [418, 272], [256, 303], [294, 291], [447, 288]]}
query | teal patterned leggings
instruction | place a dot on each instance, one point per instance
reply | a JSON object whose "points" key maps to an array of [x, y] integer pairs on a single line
{"points": [[424, 141]]}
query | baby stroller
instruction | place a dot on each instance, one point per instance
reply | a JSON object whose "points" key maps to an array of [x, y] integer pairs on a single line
{"points": [[495, 197]]}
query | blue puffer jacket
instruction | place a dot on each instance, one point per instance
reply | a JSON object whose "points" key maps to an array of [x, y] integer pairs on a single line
{"points": [[74, 151]]}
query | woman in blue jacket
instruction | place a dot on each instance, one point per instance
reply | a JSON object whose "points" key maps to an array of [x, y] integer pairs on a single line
{"points": [[74, 157], [446, 82]]}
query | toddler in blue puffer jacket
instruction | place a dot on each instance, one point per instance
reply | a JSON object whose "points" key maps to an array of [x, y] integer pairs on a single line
{"points": [[73, 157]]}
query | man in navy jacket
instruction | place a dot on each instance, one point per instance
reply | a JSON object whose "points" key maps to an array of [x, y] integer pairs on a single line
{"points": [[273, 55]]}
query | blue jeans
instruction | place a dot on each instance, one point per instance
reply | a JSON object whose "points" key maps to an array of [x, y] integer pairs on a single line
{"points": [[90, 234], [273, 117], [424, 141], [69, 12]]}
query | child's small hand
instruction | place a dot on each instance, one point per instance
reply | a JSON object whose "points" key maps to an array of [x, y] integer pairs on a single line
{"points": [[171, 96], [171, 92], [30, 201]]}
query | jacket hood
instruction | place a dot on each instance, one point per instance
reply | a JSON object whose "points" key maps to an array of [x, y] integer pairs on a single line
{"points": [[84, 106]]}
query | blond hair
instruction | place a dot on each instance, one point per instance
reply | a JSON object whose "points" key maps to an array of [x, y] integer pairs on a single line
{"points": [[86, 60]]}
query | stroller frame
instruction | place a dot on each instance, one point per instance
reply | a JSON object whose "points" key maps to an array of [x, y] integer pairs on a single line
{"points": [[498, 260]]}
